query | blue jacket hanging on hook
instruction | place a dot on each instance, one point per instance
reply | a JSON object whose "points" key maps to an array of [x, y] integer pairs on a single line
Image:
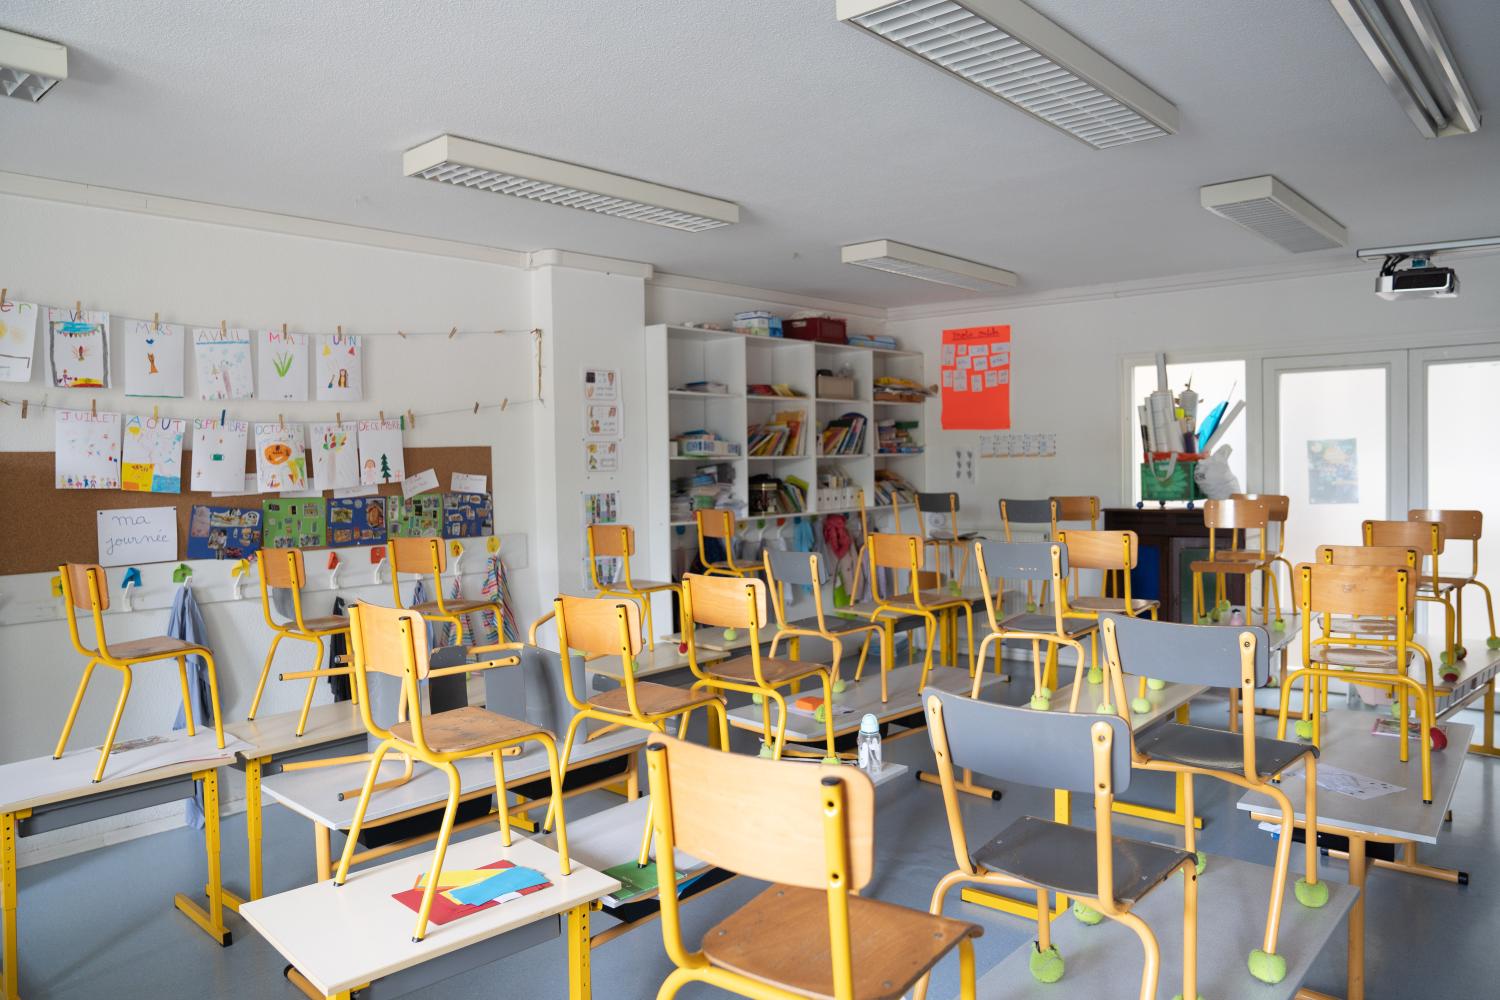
{"points": [[186, 624]]}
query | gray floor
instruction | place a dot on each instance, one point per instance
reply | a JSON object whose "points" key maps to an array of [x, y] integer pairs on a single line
{"points": [[102, 924]]}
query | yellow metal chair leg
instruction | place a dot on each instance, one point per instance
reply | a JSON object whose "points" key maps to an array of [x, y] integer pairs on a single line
{"points": [[312, 686], [114, 725], [351, 841], [187, 699], [213, 698], [555, 772], [502, 798], [439, 850], [1151, 971], [567, 755], [62, 741], [1190, 933], [265, 672]]}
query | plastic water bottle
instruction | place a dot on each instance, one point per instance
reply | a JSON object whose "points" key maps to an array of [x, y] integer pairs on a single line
{"points": [[870, 760]]}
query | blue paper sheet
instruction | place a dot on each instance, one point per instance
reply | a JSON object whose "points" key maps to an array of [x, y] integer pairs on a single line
{"points": [[508, 880]]}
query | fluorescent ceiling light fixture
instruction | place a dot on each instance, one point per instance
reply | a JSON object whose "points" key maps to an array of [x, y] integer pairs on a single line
{"points": [[29, 67], [1273, 211], [914, 262], [1009, 51], [1401, 38], [506, 171]]}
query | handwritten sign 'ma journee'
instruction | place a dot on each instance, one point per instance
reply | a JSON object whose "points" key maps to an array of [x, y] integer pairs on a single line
{"points": [[137, 535]]}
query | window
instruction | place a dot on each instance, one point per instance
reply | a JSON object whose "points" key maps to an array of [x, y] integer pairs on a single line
{"points": [[1214, 382]]}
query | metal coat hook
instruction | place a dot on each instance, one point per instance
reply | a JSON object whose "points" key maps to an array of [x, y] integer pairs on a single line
{"points": [[377, 559], [130, 581], [183, 574], [237, 574], [333, 569], [456, 552]]}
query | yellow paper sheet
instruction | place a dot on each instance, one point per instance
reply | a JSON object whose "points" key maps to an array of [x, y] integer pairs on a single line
{"points": [[459, 878]]}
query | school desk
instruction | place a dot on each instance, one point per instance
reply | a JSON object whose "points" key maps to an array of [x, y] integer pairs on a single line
{"points": [[43, 794], [328, 795], [340, 939], [1476, 679], [663, 659], [332, 730], [1104, 961], [1398, 820]]}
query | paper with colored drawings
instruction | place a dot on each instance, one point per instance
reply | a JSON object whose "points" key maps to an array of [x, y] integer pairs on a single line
{"points": [[78, 349], [18, 324], [154, 358], [445, 910]]}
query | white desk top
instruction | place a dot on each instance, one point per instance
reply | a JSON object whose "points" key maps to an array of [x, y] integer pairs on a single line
{"points": [[863, 696], [660, 660], [1104, 962], [40, 781], [1163, 702], [340, 938], [271, 735], [313, 792], [1349, 744]]}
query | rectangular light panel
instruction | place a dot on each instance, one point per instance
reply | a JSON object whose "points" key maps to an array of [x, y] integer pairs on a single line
{"points": [[479, 165], [1010, 51], [29, 67], [1273, 211], [926, 265]]}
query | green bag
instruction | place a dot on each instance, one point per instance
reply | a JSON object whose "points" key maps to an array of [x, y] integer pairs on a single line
{"points": [[1157, 485]]}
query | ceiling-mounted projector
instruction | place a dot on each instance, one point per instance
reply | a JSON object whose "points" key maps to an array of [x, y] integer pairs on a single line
{"points": [[1417, 282]]}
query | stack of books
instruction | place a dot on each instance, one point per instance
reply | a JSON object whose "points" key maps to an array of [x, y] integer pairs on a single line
{"points": [[709, 487], [889, 389], [757, 323], [844, 436], [872, 340], [707, 387], [891, 488], [897, 437], [782, 435], [770, 389], [704, 444]]}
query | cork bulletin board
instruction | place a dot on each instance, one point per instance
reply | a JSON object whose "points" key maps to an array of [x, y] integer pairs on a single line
{"points": [[42, 527]]}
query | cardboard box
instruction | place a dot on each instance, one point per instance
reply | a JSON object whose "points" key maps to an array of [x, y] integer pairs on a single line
{"points": [[835, 387]]}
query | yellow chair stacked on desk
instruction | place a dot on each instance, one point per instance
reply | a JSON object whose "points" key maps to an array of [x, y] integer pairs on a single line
{"points": [[1237, 516], [904, 554], [1429, 538], [422, 556], [1462, 526], [284, 568], [617, 541]]}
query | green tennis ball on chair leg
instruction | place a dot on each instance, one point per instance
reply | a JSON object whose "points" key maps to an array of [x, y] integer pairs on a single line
{"points": [[1096, 676], [1141, 705], [758, 698], [1266, 967], [1046, 966], [1493, 642], [731, 634], [1154, 684], [1310, 894], [1086, 914], [1201, 861], [1041, 702], [1303, 729], [840, 685], [765, 750]]}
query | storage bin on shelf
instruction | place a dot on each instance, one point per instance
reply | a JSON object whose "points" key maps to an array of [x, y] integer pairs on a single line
{"points": [[1167, 476]]}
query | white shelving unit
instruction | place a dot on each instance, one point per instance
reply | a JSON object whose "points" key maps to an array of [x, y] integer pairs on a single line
{"points": [[677, 356]]}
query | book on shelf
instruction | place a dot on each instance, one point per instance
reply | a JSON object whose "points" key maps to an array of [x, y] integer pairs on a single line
{"points": [[781, 435], [773, 389], [844, 435], [897, 437], [708, 388]]}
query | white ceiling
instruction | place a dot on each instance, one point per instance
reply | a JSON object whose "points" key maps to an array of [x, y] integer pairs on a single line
{"points": [[824, 135]]}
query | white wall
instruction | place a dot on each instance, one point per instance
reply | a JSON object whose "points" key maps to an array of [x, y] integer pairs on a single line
{"points": [[1068, 362], [136, 265]]}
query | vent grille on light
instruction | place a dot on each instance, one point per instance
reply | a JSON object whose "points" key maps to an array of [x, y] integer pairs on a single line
{"points": [[1274, 212], [30, 67], [465, 163], [1010, 51], [926, 265]]}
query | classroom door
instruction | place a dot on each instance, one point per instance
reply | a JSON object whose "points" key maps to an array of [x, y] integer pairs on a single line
{"points": [[1336, 443]]}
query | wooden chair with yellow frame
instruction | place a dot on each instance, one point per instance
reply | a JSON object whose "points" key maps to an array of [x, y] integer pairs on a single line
{"points": [[1237, 516], [85, 587], [1429, 538], [1113, 552], [605, 626], [1278, 507], [1067, 752], [805, 569], [1232, 659], [424, 556], [719, 524], [1077, 510], [1327, 590], [727, 602], [1463, 526], [284, 568], [617, 541], [393, 641], [936, 606], [809, 935]]}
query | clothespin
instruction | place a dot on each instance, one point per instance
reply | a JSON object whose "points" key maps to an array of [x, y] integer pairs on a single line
{"points": [[338, 418], [401, 334], [283, 330], [94, 407], [155, 320], [452, 333], [476, 408], [155, 413], [3, 292], [411, 419], [377, 559], [222, 415], [281, 421], [237, 574], [340, 329], [456, 553], [183, 574], [382, 416], [224, 327], [24, 404], [78, 309], [504, 403], [132, 578], [333, 569], [57, 586]]}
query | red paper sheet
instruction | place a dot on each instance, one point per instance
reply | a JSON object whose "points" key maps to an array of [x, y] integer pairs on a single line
{"points": [[445, 910], [975, 367]]}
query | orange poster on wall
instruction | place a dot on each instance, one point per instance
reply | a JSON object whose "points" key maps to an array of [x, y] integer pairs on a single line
{"points": [[975, 365]]}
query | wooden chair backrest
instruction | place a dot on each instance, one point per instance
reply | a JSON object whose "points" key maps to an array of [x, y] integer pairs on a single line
{"points": [[416, 555], [386, 640], [282, 568], [1075, 509], [1235, 514], [715, 523], [1356, 590], [75, 577], [896, 551], [612, 540], [1101, 549], [722, 601], [1461, 525], [1277, 504], [1369, 555], [1407, 534], [765, 819], [591, 625]]}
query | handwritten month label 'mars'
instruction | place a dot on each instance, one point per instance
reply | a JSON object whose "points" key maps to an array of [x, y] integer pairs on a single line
{"points": [[137, 535]]}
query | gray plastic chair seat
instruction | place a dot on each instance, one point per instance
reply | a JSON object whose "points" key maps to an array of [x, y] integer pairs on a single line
{"points": [[1218, 750], [1029, 621], [834, 624], [1359, 657], [1062, 858], [1137, 604]]}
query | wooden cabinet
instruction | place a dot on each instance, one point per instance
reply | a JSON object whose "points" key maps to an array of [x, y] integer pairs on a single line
{"points": [[1171, 539]]}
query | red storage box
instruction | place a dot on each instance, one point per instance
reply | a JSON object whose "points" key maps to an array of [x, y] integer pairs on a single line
{"points": [[821, 329]]}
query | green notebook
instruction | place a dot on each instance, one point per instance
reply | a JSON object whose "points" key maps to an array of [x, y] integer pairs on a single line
{"points": [[634, 880]]}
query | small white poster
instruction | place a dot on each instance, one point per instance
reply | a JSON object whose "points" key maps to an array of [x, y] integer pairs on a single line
{"points": [[88, 450], [423, 482], [219, 455], [466, 482], [601, 422], [602, 456], [78, 349], [339, 370], [222, 360], [152, 457], [17, 340], [155, 356], [601, 385], [381, 459], [335, 456], [137, 535], [282, 366], [280, 457]]}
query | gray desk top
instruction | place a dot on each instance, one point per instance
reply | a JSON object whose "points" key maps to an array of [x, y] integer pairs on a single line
{"points": [[663, 659], [1349, 744], [1104, 962], [272, 735], [1163, 703], [863, 696]]}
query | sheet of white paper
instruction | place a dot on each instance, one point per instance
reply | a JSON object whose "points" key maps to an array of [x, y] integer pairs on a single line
{"points": [[222, 360], [219, 454], [38, 776], [250, 488], [155, 356], [423, 482], [137, 535], [1350, 783], [282, 365], [18, 326], [152, 459], [280, 457], [381, 459], [601, 385], [78, 349], [357, 491], [87, 447], [339, 367], [335, 456], [464, 482]]}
